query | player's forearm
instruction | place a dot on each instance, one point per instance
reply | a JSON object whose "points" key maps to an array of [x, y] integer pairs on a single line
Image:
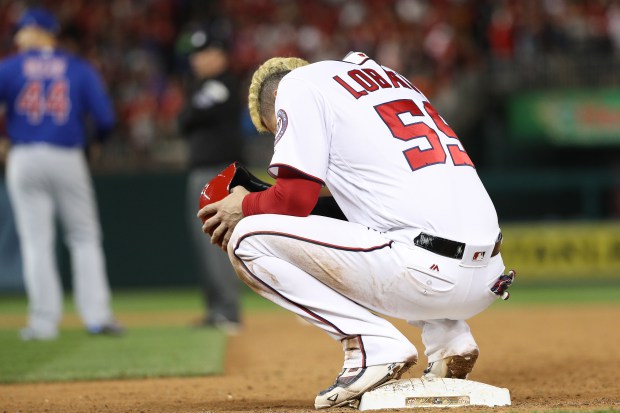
{"points": [[289, 196]]}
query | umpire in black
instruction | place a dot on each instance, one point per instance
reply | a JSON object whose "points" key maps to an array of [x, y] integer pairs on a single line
{"points": [[210, 121]]}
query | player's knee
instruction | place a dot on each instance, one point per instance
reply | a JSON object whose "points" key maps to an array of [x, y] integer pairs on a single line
{"points": [[242, 229], [241, 250], [247, 242], [245, 227], [239, 231]]}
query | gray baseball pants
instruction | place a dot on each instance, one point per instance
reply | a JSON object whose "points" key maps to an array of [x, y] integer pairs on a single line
{"points": [[219, 282], [47, 182]]}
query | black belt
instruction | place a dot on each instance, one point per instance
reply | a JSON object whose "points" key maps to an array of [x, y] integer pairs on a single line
{"points": [[447, 247]]}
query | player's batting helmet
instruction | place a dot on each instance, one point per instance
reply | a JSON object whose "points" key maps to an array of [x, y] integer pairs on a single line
{"points": [[219, 187]]}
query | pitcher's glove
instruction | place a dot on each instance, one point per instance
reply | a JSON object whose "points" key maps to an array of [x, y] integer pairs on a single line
{"points": [[234, 175]]}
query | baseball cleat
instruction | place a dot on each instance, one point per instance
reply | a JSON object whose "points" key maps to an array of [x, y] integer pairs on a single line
{"points": [[32, 334], [353, 382], [230, 327], [112, 329], [453, 367]]}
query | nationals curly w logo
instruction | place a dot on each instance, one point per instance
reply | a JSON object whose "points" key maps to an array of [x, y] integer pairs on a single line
{"points": [[282, 123]]}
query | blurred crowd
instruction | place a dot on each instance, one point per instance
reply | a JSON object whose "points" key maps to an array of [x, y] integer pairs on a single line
{"points": [[446, 47]]}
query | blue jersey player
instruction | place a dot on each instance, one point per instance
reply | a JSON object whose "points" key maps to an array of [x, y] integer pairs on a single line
{"points": [[47, 93]]}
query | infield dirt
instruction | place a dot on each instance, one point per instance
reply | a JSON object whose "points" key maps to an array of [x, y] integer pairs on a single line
{"points": [[550, 358]]}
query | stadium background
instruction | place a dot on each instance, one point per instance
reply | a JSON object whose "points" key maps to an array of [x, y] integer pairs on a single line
{"points": [[531, 87]]}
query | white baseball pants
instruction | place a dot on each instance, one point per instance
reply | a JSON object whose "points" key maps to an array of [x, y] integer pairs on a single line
{"points": [[46, 181], [337, 275]]}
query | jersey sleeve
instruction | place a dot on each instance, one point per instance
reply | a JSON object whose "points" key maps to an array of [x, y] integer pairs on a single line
{"points": [[96, 100], [3, 83], [302, 138], [290, 195]]}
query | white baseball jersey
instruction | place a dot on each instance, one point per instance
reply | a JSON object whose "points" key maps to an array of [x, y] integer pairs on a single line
{"points": [[395, 168], [390, 161]]}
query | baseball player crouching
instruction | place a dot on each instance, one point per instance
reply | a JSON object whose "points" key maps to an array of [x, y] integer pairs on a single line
{"points": [[421, 241]]}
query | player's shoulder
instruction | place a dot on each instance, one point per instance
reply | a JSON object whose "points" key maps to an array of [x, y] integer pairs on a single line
{"points": [[312, 78], [12, 60], [326, 69], [10, 68], [317, 69], [73, 59]]}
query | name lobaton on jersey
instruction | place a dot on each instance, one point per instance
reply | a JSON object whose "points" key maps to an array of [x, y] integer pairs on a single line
{"points": [[381, 148]]}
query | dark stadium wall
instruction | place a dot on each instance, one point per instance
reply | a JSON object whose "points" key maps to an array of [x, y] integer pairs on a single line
{"points": [[145, 230], [146, 234]]}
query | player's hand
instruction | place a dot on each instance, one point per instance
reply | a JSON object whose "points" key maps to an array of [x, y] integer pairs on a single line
{"points": [[222, 217], [325, 192], [95, 153], [4, 149]]}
